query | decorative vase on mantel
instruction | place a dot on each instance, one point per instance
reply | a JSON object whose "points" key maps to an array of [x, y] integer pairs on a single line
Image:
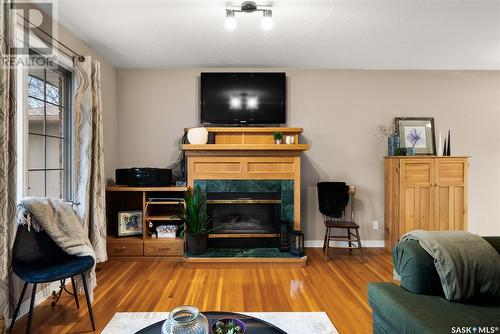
{"points": [[392, 145]]}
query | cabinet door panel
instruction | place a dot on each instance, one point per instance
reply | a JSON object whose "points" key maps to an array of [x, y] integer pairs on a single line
{"points": [[451, 191], [451, 171], [417, 208], [417, 173], [442, 221], [417, 202], [460, 212], [451, 208]]}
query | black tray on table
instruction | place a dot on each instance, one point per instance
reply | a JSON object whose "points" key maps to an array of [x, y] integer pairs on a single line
{"points": [[253, 325]]}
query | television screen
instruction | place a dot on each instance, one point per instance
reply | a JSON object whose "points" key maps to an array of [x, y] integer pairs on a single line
{"points": [[243, 98]]}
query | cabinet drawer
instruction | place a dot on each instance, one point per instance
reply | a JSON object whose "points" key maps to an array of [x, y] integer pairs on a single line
{"points": [[172, 247], [124, 248]]}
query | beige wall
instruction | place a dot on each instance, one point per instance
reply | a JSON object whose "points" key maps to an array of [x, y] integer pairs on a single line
{"points": [[339, 110], [109, 96]]}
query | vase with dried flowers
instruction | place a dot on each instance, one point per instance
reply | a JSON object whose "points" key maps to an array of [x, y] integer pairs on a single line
{"points": [[392, 138]]}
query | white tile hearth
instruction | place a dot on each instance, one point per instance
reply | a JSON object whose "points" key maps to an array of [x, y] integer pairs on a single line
{"points": [[290, 322]]}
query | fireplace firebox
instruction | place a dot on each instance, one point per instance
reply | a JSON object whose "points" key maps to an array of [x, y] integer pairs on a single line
{"points": [[257, 215]]}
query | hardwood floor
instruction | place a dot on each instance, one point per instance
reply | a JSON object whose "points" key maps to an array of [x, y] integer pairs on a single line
{"points": [[338, 287]]}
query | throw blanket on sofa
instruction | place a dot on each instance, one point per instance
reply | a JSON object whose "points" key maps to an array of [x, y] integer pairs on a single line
{"points": [[60, 221], [468, 266]]}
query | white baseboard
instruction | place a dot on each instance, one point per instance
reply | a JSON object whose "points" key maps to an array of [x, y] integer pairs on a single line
{"points": [[364, 243], [40, 297]]}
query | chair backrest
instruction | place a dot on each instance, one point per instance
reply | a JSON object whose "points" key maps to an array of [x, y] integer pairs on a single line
{"points": [[35, 247], [333, 198]]}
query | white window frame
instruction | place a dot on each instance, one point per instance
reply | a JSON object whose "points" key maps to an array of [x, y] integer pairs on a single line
{"points": [[22, 122]]}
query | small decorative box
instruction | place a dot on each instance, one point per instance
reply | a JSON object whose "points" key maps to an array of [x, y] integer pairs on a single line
{"points": [[166, 231]]}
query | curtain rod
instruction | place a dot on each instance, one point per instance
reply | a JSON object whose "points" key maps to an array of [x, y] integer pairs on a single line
{"points": [[75, 54]]}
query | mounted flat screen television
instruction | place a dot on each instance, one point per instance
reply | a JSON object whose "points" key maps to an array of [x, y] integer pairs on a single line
{"points": [[243, 98]]}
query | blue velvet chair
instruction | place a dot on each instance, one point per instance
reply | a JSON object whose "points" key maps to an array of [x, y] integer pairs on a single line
{"points": [[36, 258]]}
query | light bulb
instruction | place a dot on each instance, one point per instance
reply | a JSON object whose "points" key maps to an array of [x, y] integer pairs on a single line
{"points": [[267, 21], [230, 22]]}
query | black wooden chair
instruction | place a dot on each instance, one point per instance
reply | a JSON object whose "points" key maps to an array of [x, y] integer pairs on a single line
{"points": [[333, 198], [36, 258]]}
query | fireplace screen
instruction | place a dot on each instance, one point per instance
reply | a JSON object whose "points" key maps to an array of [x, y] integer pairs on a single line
{"points": [[237, 213]]}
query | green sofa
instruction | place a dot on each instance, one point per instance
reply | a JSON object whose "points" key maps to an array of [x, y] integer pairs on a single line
{"points": [[418, 305]]}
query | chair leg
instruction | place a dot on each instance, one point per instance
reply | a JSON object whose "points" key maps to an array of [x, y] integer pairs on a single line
{"points": [[324, 242], [89, 305], [75, 292], [360, 246], [17, 307], [32, 304], [349, 240], [327, 243]]}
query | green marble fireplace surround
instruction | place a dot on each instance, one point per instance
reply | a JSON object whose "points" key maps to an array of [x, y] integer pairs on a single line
{"points": [[284, 187]]}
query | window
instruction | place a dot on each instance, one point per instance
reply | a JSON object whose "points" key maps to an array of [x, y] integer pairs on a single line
{"points": [[49, 133]]}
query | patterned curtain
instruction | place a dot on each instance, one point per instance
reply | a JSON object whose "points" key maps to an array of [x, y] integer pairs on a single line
{"points": [[7, 156], [88, 159]]}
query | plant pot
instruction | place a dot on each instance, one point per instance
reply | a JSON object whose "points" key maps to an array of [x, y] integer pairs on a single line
{"points": [[392, 145], [277, 141], [196, 244], [410, 151]]}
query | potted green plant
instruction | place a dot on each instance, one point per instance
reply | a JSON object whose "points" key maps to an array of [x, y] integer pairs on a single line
{"points": [[278, 137], [195, 221]]}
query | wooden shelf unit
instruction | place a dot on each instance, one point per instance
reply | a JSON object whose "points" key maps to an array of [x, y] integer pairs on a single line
{"points": [[122, 198]]}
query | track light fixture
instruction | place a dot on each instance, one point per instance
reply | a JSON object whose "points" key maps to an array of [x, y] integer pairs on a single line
{"points": [[249, 7]]}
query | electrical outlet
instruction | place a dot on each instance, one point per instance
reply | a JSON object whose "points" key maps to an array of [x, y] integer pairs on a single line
{"points": [[375, 224]]}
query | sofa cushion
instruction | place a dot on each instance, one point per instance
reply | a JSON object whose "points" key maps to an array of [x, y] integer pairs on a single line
{"points": [[407, 312]]}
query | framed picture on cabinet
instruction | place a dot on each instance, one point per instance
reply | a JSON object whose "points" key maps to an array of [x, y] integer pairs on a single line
{"points": [[129, 223], [417, 133]]}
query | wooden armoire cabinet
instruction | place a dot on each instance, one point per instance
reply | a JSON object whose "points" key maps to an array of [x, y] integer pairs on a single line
{"points": [[424, 192]]}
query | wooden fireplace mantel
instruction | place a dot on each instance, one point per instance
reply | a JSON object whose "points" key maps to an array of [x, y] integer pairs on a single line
{"points": [[248, 153], [254, 138], [245, 147]]}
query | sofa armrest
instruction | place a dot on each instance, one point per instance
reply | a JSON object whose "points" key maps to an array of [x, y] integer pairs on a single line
{"points": [[416, 268]]}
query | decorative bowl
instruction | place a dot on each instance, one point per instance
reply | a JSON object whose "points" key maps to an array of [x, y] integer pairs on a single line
{"points": [[238, 322]]}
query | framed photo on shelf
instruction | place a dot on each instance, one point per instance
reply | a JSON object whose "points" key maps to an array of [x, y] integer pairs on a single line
{"points": [[129, 223], [417, 132]]}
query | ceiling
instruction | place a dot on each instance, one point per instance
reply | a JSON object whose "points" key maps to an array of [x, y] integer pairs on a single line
{"points": [[439, 34]]}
